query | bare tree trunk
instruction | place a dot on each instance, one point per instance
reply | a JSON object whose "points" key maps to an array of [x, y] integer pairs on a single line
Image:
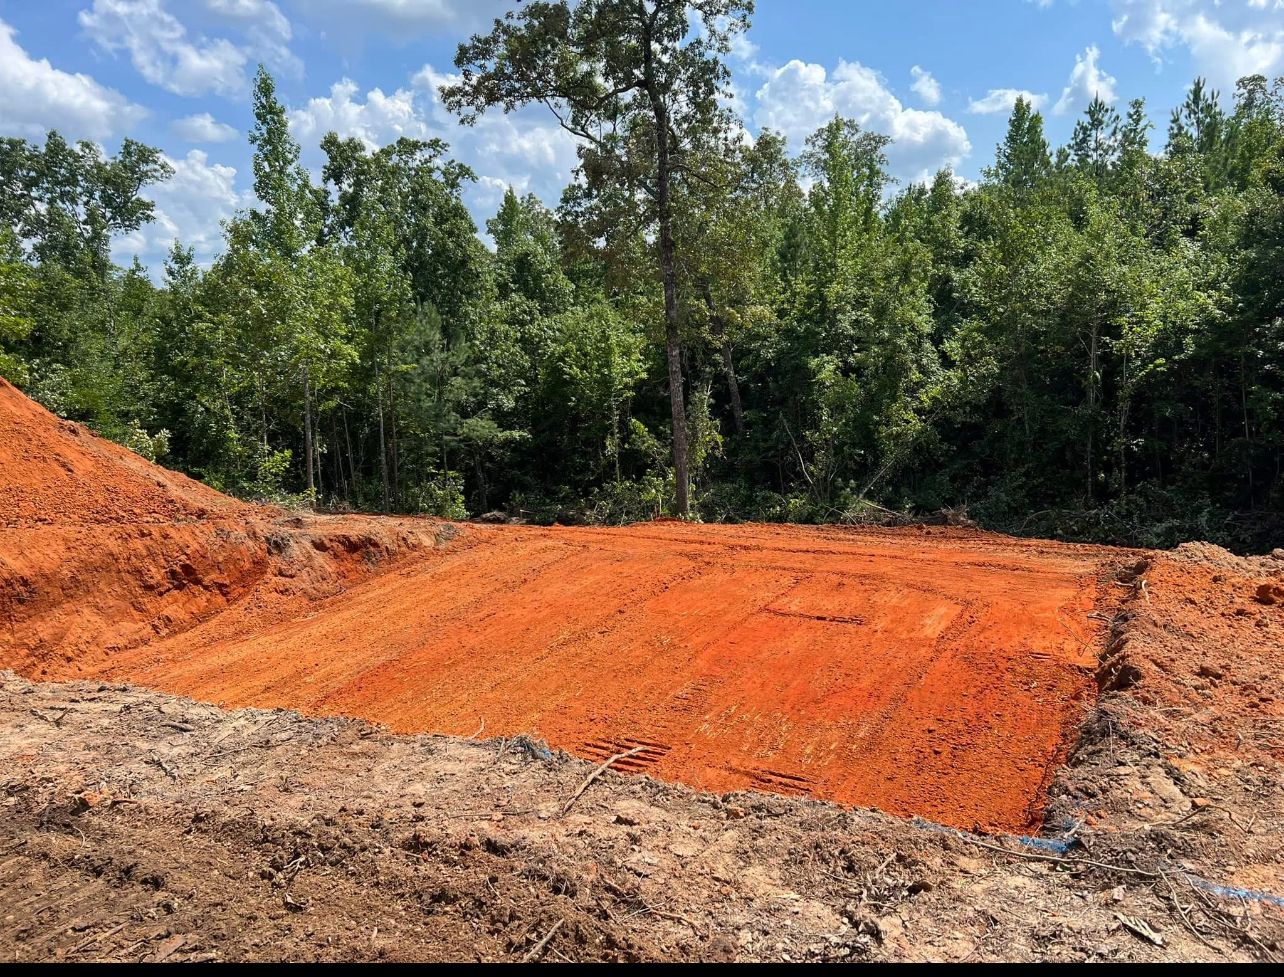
{"points": [[307, 435], [352, 461], [668, 268], [728, 364], [1093, 358], [383, 447], [396, 460]]}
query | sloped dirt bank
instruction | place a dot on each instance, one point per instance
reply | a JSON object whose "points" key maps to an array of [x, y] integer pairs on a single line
{"points": [[102, 551], [72, 598]]}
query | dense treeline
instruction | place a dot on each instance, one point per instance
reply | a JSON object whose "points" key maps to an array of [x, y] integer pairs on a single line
{"points": [[1089, 343]]}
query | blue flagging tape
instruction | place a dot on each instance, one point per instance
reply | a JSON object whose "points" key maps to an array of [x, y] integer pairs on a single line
{"points": [[1055, 846], [1061, 846], [1231, 892], [1058, 846]]}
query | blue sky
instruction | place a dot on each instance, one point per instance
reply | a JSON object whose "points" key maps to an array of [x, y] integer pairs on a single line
{"points": [[937, 75]]}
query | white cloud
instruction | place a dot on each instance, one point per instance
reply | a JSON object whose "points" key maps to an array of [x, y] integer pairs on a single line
{"points": [[159, 47], [1087, 81], [1226, 39], [203, 128], [406, 16], [799, 98], [261, 13], [268, 31], [526, 149], [189, 207], [38, 96], [164, 53], [1002, 100], [925, 86], [378, 120]]}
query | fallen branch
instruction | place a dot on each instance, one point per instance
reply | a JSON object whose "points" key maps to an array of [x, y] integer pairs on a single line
{"points": [[81, 948], [538, 948], [588, 781], [676, 917], [232, 728]]}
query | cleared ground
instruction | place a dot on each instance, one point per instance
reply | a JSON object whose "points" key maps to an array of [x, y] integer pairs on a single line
{"points": [[939, 675], [926, 671]]}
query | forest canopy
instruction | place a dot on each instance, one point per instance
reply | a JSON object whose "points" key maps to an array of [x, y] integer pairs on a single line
{"points": [[1088, 343]]}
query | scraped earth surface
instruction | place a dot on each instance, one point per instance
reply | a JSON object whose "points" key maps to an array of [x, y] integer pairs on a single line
{"points": [[921, 674], [948, 674]]}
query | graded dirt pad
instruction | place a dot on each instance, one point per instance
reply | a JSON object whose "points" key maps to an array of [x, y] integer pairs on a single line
{"points": [[931, 673]]}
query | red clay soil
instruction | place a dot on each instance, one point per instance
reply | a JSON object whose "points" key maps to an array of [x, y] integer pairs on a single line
{"points": [[929, 672]]}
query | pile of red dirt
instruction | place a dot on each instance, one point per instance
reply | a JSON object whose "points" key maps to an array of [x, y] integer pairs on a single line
{"points": [[100, 550], [56, 472], [938, 672]]}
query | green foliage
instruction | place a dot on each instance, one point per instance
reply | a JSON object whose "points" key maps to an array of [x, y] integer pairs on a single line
{"points": [[17, 304], [1089, 343]]}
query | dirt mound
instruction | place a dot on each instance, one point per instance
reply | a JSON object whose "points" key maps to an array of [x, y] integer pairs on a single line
{"points": [[56, 472], [101, 551]]}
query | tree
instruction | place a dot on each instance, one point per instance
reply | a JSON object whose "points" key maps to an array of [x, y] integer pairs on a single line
{"points": [[293, 286], [1095, 146], [17, 297], [640, 88], [66, 202], [1023, 159]]}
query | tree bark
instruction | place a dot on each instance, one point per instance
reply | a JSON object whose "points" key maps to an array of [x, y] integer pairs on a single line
{"points": [[307, 435], [728, 364], [383, 446], [668, 268]]}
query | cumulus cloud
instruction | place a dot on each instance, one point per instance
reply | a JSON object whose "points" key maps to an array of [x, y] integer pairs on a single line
{"points": [[376, 120], [268, 31], [1087, 81], [189, 208], [799, 98], [39, 97], [1002, 100], [263, 14], [925, 86], [526, 149], [160, 49], [203, 128], [164, 53], [403, 17], [1226, 40]]}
